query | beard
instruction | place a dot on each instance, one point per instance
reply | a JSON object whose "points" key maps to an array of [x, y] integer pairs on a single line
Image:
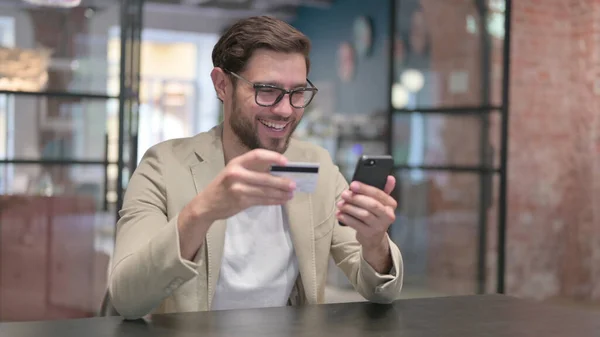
{"points": [[246, 131]]}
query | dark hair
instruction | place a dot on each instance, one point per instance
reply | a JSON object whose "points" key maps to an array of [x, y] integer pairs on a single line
{"points": [[238, 43]]}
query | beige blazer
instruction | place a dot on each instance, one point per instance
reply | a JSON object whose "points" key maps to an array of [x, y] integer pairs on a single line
{"points": [[148, 274]]}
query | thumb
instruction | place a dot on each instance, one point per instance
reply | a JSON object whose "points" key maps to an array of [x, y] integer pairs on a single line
{"points": [[390, 185], [261, 160]]}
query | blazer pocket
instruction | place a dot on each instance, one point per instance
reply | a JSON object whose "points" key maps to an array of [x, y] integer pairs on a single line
{"points": [[325, 226]]}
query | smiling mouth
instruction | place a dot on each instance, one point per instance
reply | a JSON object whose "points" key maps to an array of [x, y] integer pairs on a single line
{"points": [[276, 126]]}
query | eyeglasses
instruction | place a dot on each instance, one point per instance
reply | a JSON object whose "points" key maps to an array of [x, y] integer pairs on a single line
{"points": [[267, 95]]}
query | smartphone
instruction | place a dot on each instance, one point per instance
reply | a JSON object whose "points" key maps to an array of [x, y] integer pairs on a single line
{"points": [[373, 171]]}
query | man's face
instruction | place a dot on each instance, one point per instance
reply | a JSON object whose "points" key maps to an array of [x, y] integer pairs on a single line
{"points": [[267, 127]]}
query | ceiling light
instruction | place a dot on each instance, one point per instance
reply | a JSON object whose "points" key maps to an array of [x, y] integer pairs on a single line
{"points": [[412, 80], [400, 96], [55, 3]]}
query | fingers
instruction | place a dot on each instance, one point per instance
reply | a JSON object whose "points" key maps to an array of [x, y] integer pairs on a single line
{"points": [[266, 192], [249, 182], [252, 168], [358, 213], [354, 223], [382, 196], [260, 160], [255, 195], [242, 175], [365, 208], [269, 180], [369, 203]]}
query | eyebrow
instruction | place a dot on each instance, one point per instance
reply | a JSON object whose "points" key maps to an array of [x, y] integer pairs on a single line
{"points": [[280, 85]]}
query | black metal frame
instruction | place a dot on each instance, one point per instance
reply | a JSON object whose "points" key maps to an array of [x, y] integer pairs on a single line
{"points": [[129, 82], [131, 26], [58, 94], [502, 202], [449, 168], [391, 75], [485, 181], [484, 170], [457, 110]]}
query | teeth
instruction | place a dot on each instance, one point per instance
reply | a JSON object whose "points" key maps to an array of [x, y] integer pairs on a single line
{"points": [[276, 126]]}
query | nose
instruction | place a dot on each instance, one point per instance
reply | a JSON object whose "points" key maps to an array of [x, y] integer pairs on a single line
{"points": [[283, 108]]}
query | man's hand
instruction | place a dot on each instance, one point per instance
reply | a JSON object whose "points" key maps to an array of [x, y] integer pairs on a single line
{"points": [[370, 211], [244, 182]]}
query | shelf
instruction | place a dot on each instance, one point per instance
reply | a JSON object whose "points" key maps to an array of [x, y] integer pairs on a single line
{"points": [[459, 110], [60, 162], [448, 168], [58, 94], [359, 139]]}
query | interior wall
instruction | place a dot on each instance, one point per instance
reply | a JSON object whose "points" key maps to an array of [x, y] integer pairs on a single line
{"points": [[368, 90], [554, 172]]}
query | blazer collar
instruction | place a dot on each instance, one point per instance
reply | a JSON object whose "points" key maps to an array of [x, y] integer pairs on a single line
{"points": [[209, 163]]}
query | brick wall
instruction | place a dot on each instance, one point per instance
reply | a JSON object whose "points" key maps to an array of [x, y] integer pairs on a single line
{"points": [[582, 266], [554, 155], [539, 144], [552, 225]]}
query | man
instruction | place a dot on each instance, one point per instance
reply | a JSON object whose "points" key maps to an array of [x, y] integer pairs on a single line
{"points": [[205, 226]]}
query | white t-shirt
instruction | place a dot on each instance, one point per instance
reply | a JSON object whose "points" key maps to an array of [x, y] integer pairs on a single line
{"points": [[259, 266]]}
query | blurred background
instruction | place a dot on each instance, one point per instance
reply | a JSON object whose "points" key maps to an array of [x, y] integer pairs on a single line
{"points": [[497, 158]]}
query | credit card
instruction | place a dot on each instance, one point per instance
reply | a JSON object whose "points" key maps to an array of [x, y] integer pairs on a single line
{"points": [[306, 175]]}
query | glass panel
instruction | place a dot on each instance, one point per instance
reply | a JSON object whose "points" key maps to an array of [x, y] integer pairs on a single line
{"points": [[495, 27], [55, 242], [48, 128], [438, 139], [438, 53], [437, 228], [167, 111], [74, 52]]}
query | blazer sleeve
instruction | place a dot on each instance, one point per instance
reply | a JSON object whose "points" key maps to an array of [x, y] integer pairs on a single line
{"points": [[347, 254], [147, 265]]}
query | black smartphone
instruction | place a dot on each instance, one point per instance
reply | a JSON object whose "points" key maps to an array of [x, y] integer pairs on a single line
{"points": [[373, 171]]}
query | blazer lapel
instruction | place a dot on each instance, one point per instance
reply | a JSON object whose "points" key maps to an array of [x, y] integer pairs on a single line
{"points": [[211, 162], [299, 212]]}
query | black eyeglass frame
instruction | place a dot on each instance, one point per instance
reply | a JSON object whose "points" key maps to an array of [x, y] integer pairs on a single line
{"points": [[258, 86]]}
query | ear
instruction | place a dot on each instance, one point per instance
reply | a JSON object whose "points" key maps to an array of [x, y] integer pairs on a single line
{"points": [[220, 81]]}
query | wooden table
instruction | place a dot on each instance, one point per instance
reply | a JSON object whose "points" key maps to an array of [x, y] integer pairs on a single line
{"points": [[477, 316]]}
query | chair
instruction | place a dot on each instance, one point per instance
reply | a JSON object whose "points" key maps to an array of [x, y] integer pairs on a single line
{"points": [[106, 308]]}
